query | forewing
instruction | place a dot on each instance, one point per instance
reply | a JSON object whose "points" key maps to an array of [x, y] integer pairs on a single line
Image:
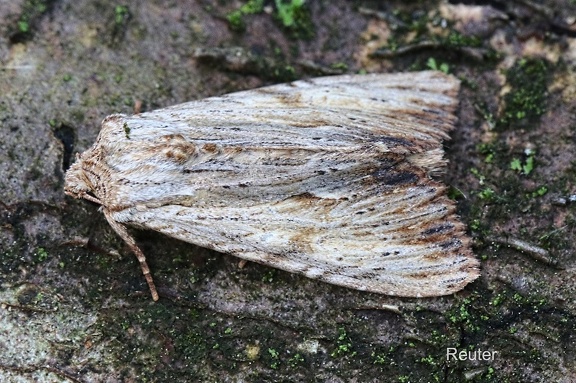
{"points": [[406, 241], [277, 135], [327, 177]]}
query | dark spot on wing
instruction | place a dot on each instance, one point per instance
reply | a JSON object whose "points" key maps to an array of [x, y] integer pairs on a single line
{"points": [[394, 141], [305, 197], [378, 99], [454, 242], [393, 177], [438, 229], [433, 111]]}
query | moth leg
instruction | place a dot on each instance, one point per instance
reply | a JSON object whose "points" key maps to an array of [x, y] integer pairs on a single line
{"points": [[123, 233]]}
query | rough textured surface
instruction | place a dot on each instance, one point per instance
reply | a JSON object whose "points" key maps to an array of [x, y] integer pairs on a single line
{"points": [[74, 307]]}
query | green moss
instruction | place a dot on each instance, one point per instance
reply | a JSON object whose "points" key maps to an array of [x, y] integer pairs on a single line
{"points": [[343, 345], [118, 19], [41, 254], [515, 164], [296, 360], [268, 277], [481, 178], [542, 190], [462, 315], [526, 101], [23, 26], [295, 17], [458, 40], [411, 22], [292, 15], [236, 17], [475, 224], [429, 360], [525, 167], [413, 31], [121, 14], [489, 151], [32, 10], [431, 63], [497, 300], [235, 20], [284, 73], [339, 66], [287, 11], [487, 194], [274, 358], [191, 344], [383, 357]]}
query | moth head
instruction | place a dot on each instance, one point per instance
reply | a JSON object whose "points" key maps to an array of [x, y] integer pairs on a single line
{"points": [[77, 184]]}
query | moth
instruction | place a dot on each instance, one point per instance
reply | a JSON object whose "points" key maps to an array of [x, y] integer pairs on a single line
{"points": [[331, 177]]}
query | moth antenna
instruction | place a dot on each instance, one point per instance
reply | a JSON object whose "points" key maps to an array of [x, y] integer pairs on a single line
{"points": [[131, 242]]}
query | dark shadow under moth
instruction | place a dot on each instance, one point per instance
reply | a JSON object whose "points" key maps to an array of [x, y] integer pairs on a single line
{"points": [[329, 177]]}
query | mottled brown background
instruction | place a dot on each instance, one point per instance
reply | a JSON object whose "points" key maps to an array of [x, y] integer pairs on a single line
{"points": [[73, 304]]}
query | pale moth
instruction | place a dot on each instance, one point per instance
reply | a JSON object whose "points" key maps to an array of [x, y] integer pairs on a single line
{"points": [[328, 177]]}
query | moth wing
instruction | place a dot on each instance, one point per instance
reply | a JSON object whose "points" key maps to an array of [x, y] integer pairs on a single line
{"points": [[403, 241], [408, 111], [269, 137], [327, 177]]}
